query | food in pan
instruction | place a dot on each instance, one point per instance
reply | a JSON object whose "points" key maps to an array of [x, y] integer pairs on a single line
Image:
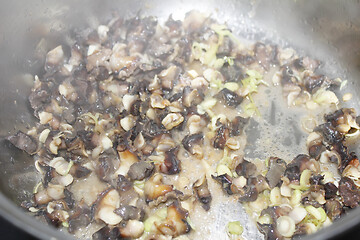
{"points": [[142, 128]]}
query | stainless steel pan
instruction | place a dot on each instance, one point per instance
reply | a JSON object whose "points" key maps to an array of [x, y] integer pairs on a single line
{"points": [[328, 30]]}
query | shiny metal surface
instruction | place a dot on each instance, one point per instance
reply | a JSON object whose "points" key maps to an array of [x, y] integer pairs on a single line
{"points": [[328, 30]]}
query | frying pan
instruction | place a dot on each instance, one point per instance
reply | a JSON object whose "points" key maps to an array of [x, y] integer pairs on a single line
{"points": [[328, 30]]}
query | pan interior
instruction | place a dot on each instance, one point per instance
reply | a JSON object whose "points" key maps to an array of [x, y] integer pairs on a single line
{"points": [[326, 30]]}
